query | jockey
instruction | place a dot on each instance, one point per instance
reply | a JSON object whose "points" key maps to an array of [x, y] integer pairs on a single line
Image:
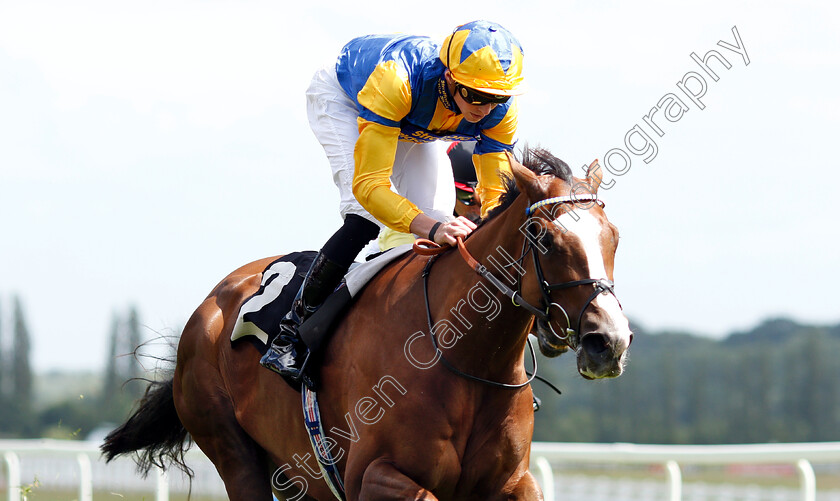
{"points": [[376, 112]]}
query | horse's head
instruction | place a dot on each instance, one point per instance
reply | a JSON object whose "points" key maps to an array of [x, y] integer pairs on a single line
{"points": [[574, 246]]}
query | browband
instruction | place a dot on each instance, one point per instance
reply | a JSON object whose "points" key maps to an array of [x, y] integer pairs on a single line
{"points": [[568, 199]]}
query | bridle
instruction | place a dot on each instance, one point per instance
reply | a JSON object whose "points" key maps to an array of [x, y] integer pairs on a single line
{"points": [[602, 286], [571, 335]]}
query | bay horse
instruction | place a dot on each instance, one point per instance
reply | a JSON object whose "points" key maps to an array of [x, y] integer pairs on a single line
{"points": [[424, 393]]}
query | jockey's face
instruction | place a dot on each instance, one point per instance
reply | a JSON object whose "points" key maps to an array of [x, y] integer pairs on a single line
{"points": [[472, 112]]}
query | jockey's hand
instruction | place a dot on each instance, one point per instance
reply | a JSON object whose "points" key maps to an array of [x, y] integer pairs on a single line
{"points": [[448, 232]]}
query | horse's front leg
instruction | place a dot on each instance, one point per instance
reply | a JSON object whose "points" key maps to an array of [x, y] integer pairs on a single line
{"points": [[383, 481]]}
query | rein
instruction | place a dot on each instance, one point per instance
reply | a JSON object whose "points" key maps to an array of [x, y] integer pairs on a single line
{"points": [[426, 271], [427, 247]]}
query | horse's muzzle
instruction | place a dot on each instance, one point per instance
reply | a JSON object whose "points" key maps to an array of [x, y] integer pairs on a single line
{"points": [[602, 355]]}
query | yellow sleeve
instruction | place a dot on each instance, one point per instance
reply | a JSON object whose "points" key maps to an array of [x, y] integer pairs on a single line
{"points": [[490, 170], [374, 158]]}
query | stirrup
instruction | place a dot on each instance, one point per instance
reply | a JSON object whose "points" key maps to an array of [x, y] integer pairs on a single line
{"points": [[298, 374], [302, 376]]}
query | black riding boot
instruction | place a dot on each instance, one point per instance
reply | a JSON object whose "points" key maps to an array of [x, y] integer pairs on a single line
{"points": [[287, 353]]}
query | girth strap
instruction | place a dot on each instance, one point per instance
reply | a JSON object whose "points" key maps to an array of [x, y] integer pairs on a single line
{"points": [[317, 438]]}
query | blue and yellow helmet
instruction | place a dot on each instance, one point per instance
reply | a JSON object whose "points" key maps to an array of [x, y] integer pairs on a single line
{"points": [[486, 57]]}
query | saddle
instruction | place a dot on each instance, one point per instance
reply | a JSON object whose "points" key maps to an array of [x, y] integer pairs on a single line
{"points": [[260, 315]]}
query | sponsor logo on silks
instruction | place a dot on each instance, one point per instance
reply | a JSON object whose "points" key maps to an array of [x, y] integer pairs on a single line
{"points": [[445, 99], [425, 136]]}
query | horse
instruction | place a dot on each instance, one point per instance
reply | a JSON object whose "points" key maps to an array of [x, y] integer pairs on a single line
{"points": [[423, 388]]}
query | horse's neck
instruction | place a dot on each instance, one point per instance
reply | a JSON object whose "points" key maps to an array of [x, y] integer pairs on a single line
{"points": [[494, 329]]}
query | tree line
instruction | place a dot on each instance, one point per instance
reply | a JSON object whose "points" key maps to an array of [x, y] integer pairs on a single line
{"points": [[774, 383], [119, 385], [16, 375]]}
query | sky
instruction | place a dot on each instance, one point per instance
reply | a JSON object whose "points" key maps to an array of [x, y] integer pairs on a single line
{"points": [[149, 148]]}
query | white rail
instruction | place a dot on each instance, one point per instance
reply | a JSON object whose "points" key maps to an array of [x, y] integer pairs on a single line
{"points": [[85, 454], [543, 455], [671, 456]]}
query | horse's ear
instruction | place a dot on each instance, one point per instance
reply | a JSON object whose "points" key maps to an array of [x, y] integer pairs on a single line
{"points": [[526, 180], [594, 175]]}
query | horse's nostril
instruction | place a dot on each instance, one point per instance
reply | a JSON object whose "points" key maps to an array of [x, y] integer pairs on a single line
{"points": [[595, 343], [631, 339]]}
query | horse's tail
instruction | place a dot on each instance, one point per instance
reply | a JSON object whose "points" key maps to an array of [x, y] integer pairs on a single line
{"points": [[154, 432]]}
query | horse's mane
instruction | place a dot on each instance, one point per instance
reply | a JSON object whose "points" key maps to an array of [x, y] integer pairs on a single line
{"points": [[539, 161]]}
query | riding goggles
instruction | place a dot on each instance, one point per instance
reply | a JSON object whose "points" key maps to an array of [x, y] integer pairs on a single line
{"points": [[477, 98]]}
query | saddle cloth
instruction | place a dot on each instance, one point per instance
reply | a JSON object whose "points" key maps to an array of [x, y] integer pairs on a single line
{"points": [[260, 314]]}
